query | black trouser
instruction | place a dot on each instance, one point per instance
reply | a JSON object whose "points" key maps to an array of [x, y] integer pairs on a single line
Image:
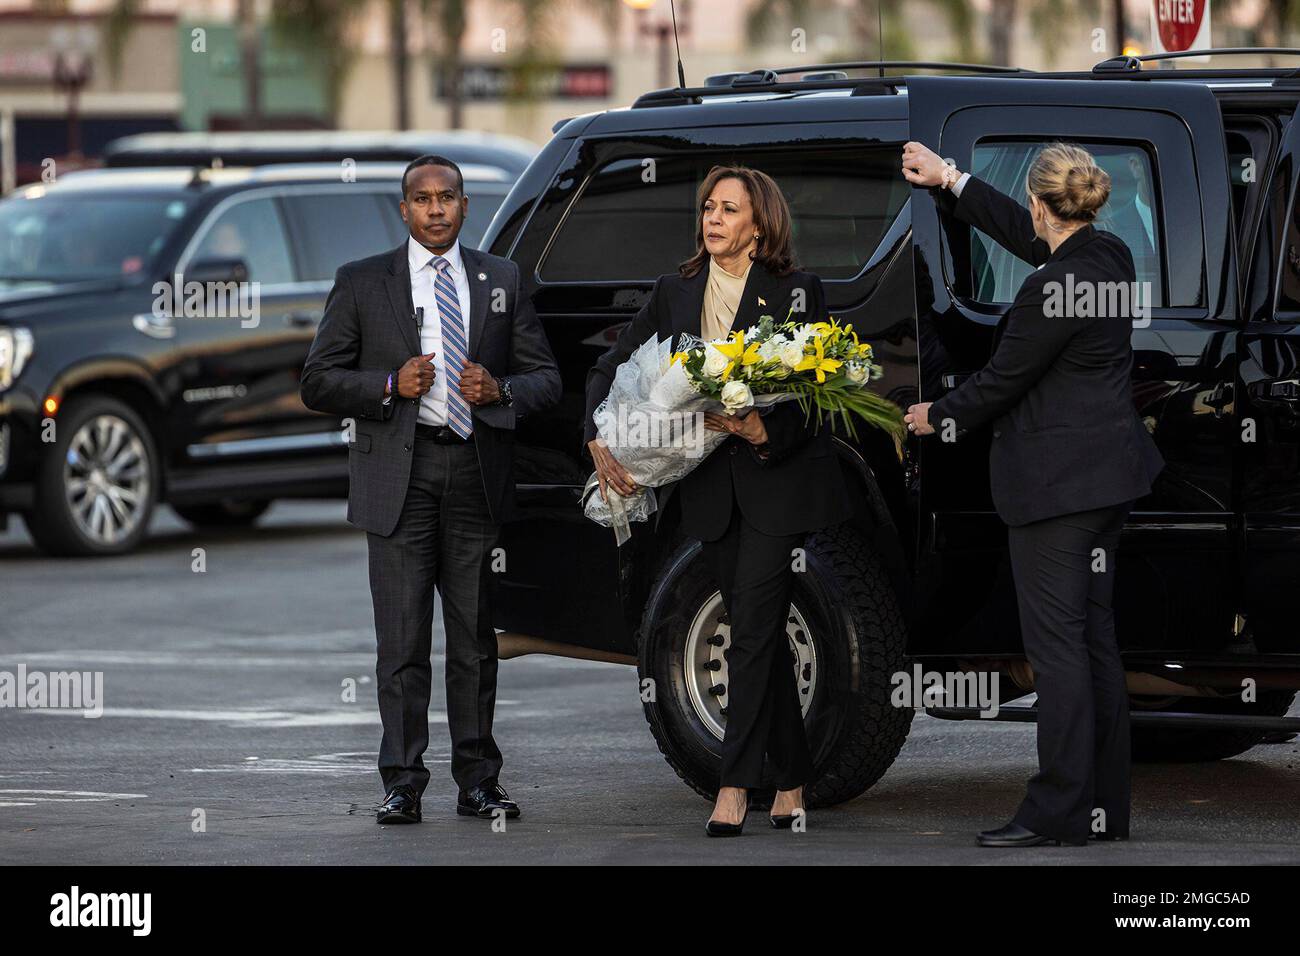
{"points": [[443, 538], [1064, 592], [756, 575]]}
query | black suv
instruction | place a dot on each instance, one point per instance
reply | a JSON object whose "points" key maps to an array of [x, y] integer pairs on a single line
{"points": [[919, 579], [111, 399]]}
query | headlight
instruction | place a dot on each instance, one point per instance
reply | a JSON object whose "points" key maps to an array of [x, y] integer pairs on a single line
{"points": [[15, 350]]}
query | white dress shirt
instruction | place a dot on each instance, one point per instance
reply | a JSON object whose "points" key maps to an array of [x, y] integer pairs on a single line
{"points": [[1144, 213], [433, 404]]}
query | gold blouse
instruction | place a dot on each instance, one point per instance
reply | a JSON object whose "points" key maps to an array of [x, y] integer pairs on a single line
{"points": [[721, 299]]}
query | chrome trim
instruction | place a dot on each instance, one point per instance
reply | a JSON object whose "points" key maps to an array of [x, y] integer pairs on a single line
{"points": [[154, 326], [270, 443]]}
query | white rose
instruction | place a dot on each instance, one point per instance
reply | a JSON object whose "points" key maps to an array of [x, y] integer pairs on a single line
{"points": [[791, 355], [857, 373], [736, 395], [714, 363]]}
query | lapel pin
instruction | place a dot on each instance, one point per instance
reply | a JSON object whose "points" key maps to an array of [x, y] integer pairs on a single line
{"points": [[482, 275], [762, 301]]}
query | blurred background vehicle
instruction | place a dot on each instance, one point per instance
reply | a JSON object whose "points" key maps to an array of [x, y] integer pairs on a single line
{"points": [[112, 400]]}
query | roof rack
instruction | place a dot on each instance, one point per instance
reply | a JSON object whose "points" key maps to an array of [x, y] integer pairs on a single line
{"points": [[1119, 65], [825, 76]]}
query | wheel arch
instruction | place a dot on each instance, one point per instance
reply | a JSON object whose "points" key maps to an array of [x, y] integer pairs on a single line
{"points": [[127, 381]]}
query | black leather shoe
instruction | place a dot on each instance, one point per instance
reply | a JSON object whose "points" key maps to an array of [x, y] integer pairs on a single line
{"points": [[402, 805], [485, 800], [1013, 834]]}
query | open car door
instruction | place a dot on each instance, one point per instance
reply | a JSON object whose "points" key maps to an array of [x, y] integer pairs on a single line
{"points": [[1162, 142]]}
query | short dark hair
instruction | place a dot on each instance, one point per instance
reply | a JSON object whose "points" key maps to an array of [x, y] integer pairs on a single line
{"points": [[429, 159]]}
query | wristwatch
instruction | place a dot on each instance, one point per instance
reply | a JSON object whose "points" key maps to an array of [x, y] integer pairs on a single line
{"points": [[507, 397], [950, 175]]}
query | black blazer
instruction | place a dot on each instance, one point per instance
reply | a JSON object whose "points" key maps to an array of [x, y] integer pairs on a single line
{"points": [[799, 486], [369, 329], [1058, 389]]}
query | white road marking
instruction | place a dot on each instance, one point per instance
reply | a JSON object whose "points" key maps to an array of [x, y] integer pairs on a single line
{"points": [[32, 797], [274, 718]]}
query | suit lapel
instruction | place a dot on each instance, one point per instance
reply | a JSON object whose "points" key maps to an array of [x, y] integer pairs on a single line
{"points": [[687, 303], [759, 285], [689, 300], [479, 292], [398, 284]]}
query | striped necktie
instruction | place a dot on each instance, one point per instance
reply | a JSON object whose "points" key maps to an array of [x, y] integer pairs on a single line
{"points": [[455, 352]]}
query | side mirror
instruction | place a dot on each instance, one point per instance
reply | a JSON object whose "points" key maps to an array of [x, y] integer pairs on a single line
{"points": [[217, 270]]}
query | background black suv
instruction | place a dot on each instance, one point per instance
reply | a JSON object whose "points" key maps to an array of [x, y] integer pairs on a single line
{"points": [[109, 404], [920, 576]]}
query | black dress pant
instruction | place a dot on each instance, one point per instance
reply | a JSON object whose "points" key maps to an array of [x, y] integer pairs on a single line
{"points": [[443, 539], [1065, 578], [756, 575]]}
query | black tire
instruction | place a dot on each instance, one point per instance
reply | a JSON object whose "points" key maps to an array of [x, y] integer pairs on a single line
{"points": [[1171, 745], [858, 635], [226, 513], [52, 523]]}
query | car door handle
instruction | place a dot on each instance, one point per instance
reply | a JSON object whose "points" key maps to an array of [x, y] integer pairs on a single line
{"points": [[301, 319], [1277, 392], [1219, 398], [156, 326]]}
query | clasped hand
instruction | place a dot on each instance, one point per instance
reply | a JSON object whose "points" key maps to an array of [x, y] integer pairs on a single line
{"points": [[477, 386]]}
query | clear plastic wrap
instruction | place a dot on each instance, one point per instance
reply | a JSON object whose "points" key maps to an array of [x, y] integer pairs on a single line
{"points": [[652, 421]]}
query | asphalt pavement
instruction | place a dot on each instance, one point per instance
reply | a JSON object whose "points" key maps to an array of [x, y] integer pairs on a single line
{"points": [[240, 726]]}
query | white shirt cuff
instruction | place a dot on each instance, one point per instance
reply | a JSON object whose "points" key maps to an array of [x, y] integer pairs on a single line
{"points": [[961, 181]]}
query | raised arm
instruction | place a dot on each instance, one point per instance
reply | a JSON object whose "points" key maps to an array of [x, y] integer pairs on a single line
{"points": [[996, 215], [976, 203]]}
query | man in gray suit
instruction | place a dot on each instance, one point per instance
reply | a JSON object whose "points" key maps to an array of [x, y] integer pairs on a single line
{"points": [[434, 351]]}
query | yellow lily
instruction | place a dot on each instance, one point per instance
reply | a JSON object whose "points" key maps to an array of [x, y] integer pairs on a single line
{"points": [[737, 351], [818, 362]]}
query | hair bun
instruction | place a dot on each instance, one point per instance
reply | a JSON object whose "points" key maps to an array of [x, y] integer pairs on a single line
{"points": [[1069, 181]]}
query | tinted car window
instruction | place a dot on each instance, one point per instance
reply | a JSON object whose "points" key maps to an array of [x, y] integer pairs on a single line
{"points": [[337, 227], [842, 202], [483, 205], [251, 230], [59, 238], [1130, 213]]}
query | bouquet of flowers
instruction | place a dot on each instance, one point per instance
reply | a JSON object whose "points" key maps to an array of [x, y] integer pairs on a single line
{"points": [[821, 364], [652, 421]]}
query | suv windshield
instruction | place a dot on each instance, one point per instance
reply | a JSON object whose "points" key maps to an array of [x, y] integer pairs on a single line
{"points": [[65, 239]]}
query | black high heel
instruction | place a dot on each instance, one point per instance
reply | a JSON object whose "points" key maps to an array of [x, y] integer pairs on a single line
{"points": [[716, 828], [785, 821]]}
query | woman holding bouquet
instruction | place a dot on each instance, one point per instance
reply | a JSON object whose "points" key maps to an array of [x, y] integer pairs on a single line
{"points": [[753, 500]]}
